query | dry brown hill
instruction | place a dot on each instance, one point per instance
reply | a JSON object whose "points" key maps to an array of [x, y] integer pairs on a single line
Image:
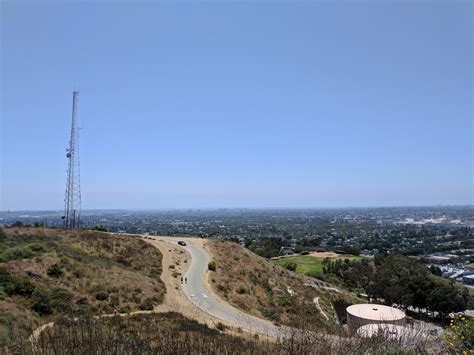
{"points": [[47, 272], [263, 289]]}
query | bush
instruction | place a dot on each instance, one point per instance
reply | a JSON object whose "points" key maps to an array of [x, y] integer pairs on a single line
{"points": [[6, 318], [60, 299], [223, 288], [55, 271], [271, 313], [18, 253], [41, 302], [146, 305], [291, 265], [15, 285], [101, 295], [220, 326], [212, 265], [100, 228], [25, 251], [114, 300], [461, 340], [241, 290], [78, 273], [3, 235]]}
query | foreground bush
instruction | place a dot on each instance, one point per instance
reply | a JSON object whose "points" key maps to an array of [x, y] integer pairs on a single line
{"points": [[461, 338]]}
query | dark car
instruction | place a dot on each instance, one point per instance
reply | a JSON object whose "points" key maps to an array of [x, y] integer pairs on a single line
{"points": [[182, 243]]}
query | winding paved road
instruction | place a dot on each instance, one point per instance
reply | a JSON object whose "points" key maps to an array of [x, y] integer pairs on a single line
{"points": [[197, 291]]}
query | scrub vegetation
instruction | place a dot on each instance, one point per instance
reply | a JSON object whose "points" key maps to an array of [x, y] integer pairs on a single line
{"points": [[259, 287], [172, 333], [45, 274]]}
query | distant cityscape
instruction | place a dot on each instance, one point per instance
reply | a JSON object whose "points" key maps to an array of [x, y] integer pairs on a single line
{"points": [[442, 237]]}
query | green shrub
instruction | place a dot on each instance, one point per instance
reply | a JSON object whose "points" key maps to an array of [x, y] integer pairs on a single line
{"points": [[6, 318], [55, 271], [241, 290], [60, 299], [18, 253], [146, 305], [36, 247], [461, 337], [41, 301], [291, 265], [26, 251], [13, 285], [212, 265], [100, 228], [101, 295], [223, 288]]}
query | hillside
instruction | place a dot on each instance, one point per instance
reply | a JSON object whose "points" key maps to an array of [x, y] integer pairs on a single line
{"points": [[45, 273], [172, 333], [263, 289]]}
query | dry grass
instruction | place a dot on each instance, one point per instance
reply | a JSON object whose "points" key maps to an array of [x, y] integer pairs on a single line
{"points": [[101, 271], [261, 288], [171, 333]]}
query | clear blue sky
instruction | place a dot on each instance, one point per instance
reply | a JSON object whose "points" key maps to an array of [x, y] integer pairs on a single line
{"points": [[262, 104]]}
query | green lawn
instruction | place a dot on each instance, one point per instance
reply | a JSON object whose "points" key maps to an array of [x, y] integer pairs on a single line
{"points": [[308, 264]]}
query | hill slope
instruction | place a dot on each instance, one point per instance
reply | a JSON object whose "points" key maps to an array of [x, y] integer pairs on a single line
{"points": [[263, 289], [45, 273]]}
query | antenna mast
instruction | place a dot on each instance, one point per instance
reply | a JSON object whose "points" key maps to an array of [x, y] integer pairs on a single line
{"points": [[72, 201]]}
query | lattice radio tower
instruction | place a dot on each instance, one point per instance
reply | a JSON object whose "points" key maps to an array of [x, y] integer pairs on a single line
{"points": [[72, 201]]}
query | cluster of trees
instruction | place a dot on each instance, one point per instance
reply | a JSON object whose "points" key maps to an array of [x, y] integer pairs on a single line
{"points": [[20, 224], [100, 228], [354, 274], [406, 282], [270, 247], [267, 247]]}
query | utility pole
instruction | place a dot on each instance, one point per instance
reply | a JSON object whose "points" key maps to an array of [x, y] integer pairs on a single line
{"points": [[72, 201]]}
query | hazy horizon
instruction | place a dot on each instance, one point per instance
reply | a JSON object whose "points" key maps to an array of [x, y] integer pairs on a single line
{"points": [[304, 105], [240, 208]]}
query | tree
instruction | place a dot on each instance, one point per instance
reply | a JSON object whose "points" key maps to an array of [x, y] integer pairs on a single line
{"points": [[100, 228], [436, 270], [445, 297], [212, 265]]}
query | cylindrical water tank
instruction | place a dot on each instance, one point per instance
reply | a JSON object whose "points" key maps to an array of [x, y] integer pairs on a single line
{"points": [[367, 313]]}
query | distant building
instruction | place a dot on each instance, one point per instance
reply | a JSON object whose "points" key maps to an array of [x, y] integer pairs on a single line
{"points": [[287, 251], [440, 259], [468, 278]]}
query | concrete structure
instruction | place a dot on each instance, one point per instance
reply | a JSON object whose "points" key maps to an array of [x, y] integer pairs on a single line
{"points": [[392, 331], [367, 313]]}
